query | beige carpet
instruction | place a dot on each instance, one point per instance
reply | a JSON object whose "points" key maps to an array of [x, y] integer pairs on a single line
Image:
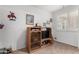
{"points": [[55, 48]]}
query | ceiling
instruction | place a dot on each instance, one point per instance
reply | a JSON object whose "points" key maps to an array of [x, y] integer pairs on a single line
{"points": [[50, 8]]}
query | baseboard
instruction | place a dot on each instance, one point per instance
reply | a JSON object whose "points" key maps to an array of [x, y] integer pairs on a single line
{"points": [[66, 43], [22, 49]]}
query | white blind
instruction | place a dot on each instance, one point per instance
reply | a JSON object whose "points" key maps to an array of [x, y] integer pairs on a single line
{"points": [[68, 21]]}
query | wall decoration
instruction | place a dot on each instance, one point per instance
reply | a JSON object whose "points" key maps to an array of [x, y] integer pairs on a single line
{"points": [[44, 24], [48, 22], [1, 26], [36, 24], [29, 19], [50, 19], [12, 16]]}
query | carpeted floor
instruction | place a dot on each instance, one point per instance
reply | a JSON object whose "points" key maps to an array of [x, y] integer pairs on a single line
{"points": [[55, 48]]}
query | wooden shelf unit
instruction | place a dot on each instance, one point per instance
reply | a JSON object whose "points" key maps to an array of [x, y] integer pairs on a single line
{"points": [[34, 38]]}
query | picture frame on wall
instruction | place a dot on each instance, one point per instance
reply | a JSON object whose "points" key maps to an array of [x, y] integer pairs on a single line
{"points": [[50, 19], [29, 19]]}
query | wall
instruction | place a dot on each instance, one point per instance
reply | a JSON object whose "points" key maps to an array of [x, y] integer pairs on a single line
{"points": [[68, 37], [14, 32], [1, 40], [1, 33]]}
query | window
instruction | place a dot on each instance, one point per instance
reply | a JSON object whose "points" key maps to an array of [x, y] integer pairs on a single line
{"points": [[73, 19], [62, 22], [68, 21]]}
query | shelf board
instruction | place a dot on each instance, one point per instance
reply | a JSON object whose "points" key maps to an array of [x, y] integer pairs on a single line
{"points": [[46, 39], [35, 31], [35, 42], [35, 47]]}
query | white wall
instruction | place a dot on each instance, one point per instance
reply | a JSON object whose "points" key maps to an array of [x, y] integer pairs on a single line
{"points": [[68, 37], [14, 32], [1, 35], [1, 39]]}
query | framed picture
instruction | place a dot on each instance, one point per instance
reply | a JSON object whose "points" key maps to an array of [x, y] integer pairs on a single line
{"points": [[29, 19], [44, 24], [51, 19]]}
